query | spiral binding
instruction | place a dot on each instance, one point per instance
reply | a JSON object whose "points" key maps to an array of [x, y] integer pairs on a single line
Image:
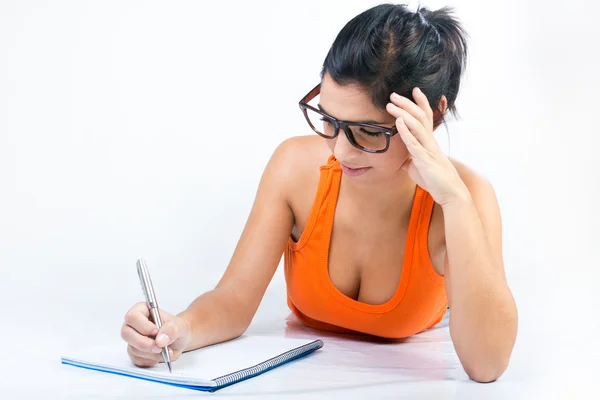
{"points": [[267, 365]]}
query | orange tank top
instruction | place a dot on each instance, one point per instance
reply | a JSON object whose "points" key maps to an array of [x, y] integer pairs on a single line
{"points": [[420, 299]]}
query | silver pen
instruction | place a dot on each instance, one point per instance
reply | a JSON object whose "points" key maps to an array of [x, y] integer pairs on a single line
{"points": [[148, 290]]}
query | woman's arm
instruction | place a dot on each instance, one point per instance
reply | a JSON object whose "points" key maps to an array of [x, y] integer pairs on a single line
{"points": [[226, 311], [483, 313]]}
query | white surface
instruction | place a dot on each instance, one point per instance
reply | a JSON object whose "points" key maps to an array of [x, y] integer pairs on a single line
{"points": [[107, 154], [424, 366]]}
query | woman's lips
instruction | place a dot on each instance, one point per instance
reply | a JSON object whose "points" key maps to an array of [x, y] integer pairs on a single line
{"points": [[354, 171]]}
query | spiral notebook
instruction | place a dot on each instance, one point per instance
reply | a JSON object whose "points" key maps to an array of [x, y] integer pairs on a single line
{"points": [[207, 369]]}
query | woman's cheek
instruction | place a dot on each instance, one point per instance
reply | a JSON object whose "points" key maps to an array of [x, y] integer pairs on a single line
{"points": [[397, 153]]}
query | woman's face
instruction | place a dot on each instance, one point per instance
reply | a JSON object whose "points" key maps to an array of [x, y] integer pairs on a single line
{"points": [[352, 103]]}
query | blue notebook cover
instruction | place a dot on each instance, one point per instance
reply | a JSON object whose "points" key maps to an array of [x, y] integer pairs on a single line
{"points": [[207, 369]]}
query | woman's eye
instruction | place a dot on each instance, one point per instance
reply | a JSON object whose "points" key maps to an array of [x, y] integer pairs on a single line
{"points": [[325, 120], [375, 134]]}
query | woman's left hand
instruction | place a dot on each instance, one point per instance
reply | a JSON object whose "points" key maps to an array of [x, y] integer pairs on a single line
{"points": [[426, 165]]}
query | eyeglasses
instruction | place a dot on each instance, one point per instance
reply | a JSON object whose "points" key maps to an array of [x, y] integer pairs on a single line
{"points": [[366, 137]]}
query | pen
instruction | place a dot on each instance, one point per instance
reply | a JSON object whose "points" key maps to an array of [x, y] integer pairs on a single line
{"points": [[148, 290]]}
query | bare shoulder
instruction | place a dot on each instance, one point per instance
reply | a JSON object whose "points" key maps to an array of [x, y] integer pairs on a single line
{"points": [[474, 180], [297, 160], [480, 187], [303, 151]]}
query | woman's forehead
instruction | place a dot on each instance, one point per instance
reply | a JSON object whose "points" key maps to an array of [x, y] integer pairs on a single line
{"points": [[348, 102]]}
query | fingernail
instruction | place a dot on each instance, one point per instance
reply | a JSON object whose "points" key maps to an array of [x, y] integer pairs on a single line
{"points": [[162, 339], [395, 95], [171, 352], [156, 349]]}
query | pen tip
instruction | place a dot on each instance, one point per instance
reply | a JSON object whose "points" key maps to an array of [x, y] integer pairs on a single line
{"points": [[169, 365]]}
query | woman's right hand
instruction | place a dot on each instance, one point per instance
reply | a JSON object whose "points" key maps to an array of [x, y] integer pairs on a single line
{"points": [[145, 341]]}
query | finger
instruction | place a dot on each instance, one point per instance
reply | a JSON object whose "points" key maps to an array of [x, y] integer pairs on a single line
{"points": [[139, 321], [143, 308], [423, 102], [148, 356], [415, 127], [165, 316], [413, 109], [139, 361], [168, 333], [412, 144], [142, 343], [419, 132]]}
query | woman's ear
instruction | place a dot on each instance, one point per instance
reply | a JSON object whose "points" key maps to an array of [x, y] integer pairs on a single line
{"points": [[439, 112]]}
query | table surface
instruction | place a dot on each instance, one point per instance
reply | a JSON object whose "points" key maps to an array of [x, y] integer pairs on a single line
{"points": [[424, 366]]}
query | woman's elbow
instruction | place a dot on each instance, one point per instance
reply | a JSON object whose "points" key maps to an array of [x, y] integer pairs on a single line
{"points": [[485, 372]]}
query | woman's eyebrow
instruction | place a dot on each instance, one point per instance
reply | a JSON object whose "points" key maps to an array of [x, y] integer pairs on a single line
{"points": [[367, 121]]}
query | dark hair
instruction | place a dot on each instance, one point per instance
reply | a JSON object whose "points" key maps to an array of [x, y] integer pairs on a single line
{"points": [[389, 48]]}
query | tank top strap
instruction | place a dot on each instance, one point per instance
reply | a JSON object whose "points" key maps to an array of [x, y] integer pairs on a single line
{"points": [[426, 205], [324, 204], [422, 239], [330, 198]]}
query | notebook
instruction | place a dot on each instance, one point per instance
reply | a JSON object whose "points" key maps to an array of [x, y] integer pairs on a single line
{"points": [[207, 369]]}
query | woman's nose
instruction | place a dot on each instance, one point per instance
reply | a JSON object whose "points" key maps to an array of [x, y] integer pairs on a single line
{"points": [[342, 147]]}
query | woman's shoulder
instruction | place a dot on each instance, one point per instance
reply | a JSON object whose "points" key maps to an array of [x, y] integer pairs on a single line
{"points": [[305, 145], [301, 155], [296, 162], [473, 179]]}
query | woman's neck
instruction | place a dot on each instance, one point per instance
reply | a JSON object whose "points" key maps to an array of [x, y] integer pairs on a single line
{"points": [[393, 197]]}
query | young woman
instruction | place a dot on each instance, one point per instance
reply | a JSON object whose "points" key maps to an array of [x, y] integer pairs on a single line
{"points": [[379, 229]]}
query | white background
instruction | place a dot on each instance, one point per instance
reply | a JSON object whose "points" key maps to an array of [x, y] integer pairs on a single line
{"points": [[140, 129]]}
